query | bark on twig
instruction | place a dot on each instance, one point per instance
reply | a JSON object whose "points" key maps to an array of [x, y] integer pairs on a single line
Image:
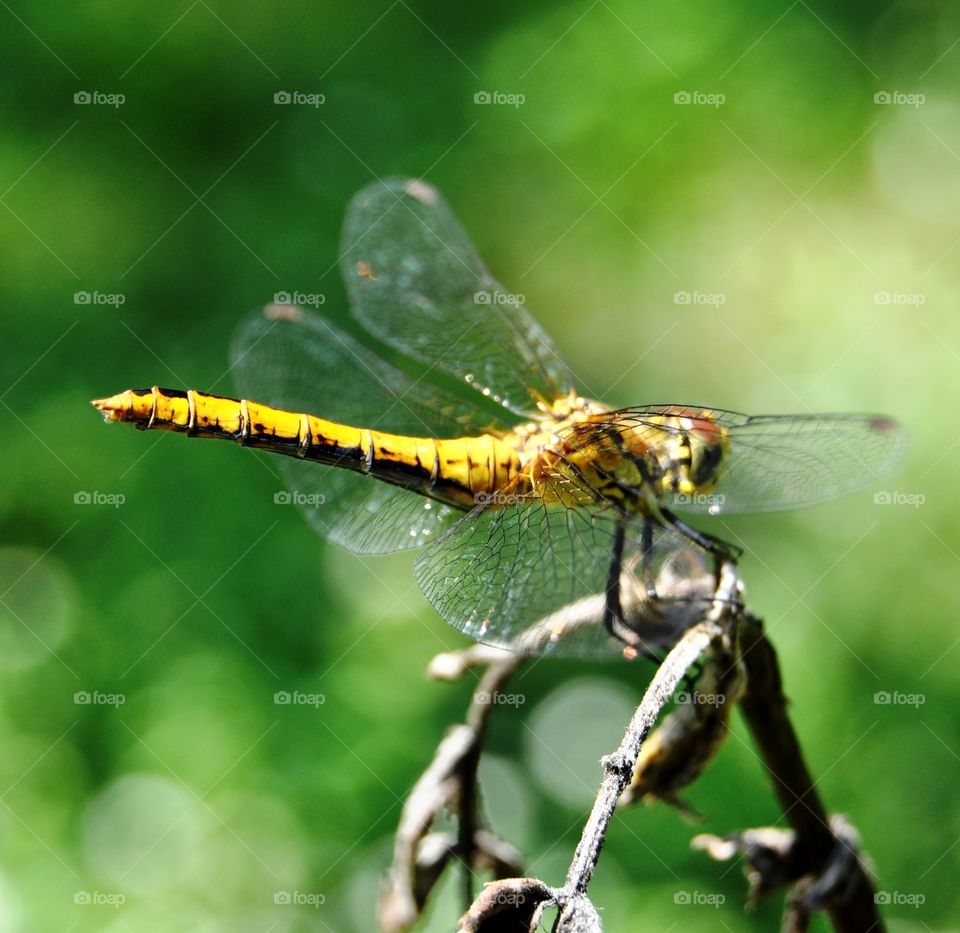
{"points": [[851, 904], [450, 782], [817, 861], [619, 767]]}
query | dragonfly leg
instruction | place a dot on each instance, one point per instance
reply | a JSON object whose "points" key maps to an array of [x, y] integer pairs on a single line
{"points": [[716, 546], [646, 557], [613, 620]]}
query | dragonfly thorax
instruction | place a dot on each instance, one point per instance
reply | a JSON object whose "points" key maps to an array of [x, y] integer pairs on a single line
{"points": [[637, 458], [545, 437]]}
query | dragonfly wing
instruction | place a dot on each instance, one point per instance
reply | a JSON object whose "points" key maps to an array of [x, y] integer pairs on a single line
{"points": [[531, 577], [774, 462], [361, 514], [779, 462], [295, 359], [417, 283]]}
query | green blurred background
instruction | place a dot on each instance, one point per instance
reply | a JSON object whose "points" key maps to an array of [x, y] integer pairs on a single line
{"points": [[814, 225]]}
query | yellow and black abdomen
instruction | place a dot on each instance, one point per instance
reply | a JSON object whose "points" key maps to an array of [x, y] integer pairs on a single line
{"points": [[459, 471]]}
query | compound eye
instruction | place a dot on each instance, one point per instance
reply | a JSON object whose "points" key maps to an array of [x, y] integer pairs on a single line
{"points": [[706, 460]]}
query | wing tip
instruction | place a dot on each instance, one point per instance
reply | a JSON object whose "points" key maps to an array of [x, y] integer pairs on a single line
{"points": [[421, 191], [400, 185], [281, 311]]}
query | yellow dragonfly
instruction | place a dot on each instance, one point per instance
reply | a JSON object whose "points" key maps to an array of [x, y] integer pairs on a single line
{"points": [[548, 523]]}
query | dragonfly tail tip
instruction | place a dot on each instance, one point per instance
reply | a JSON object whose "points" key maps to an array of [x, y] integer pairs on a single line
{"points": [[112, 408]]}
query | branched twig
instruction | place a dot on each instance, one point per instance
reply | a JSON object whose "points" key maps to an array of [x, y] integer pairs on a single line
{"points": [[823, 852], [619, 767], [817, 861], [450, 782]]}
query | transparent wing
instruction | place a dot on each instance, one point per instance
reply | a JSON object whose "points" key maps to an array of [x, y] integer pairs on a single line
{"points": [[778, 462], [293, 358], [531, 577], [417, 283]]}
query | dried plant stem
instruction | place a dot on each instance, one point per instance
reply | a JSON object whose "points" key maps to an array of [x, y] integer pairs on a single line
{"points": [[764, 707], [618, 767]]}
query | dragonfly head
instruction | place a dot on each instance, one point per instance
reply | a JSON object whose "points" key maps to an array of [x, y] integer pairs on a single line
{"points": [[696, 452], [706, 458]]}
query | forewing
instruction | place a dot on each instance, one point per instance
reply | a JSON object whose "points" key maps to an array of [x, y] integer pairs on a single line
{"points": [[293, 358], [417, 283], [532, 576], [778, 462]]}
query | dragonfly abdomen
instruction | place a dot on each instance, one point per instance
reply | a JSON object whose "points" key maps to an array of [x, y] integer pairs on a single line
{"points": [[460, 471]]}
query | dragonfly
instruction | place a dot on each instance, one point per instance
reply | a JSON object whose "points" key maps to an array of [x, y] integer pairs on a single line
{"points": [[547, 523]]}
